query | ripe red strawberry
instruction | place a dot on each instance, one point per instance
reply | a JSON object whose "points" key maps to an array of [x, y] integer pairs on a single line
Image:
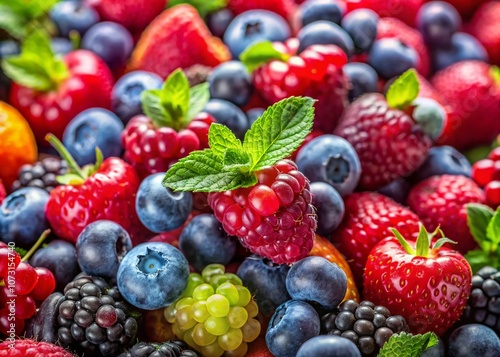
{"points": [[49, 92], [177, 38], [428, 286], [440, 201], [170, 131], [472, 89], [484, 27], [31, 348], [389, 142], [316, 72], [284, 8], [367, 220], [404, 10], [104, 191], [135, 15], [390, 27]]}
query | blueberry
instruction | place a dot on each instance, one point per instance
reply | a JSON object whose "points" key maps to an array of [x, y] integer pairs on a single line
{"points": [[361, 25], [126, 93], [390, 57], [293, 323], [330, 159], [152, 275], [463, 47], [266, 281], [73, 16], [61, 46], [473, 340], [398, 190], [316, 10], [255, 26], [329, 207], [430, 115], [438, 21], [94, 127], [231, 81], [218, 21], [228, 114], [100, 248], [318, 280], [362, 77], [203, 242], [159, 208], [22, 216], [110, 41], [59, 257], [325, 33], [254, 114], [329, 346], [442, 160]]}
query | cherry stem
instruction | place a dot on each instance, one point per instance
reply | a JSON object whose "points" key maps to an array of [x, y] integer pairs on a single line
{"points": [[38, 243], [58, 145]]}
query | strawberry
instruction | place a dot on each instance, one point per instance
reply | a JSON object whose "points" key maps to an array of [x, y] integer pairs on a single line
{"points": [[50, 91], [389, 142], [428, 286], [135, 15], [284, 8], [484, 27], [390, 27], [178, 37], [106, 190], [472, 89], [31, 348], [315, 72], [404, 10], [441, 201], [172, 128], [367, 220]]}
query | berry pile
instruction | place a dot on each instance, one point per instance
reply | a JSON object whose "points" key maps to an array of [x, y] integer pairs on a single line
{"points": [[486, 173]]}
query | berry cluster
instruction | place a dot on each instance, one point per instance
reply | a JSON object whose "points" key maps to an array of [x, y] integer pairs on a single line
{"points": [[215, 314], [42, 174], [486, 173]]}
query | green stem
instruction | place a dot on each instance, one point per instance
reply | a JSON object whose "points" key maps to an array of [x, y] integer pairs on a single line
{"points": [[38, 243], [58, 145]]}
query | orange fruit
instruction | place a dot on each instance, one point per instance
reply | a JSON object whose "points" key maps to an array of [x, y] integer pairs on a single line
{"points": [[324, 248], [17, 144]]}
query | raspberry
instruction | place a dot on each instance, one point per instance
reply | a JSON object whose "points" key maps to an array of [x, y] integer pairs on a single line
{"points": [[216, 314], [275, 218], [41, 174], [174, 348], [31, 348], [486, 173]]}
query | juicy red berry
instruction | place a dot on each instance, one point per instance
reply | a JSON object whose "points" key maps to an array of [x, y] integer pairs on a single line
{"points": [[264, 200], [494, 154], [25, 307], [26, 278], [5, 323], [45, 285], [492, 192], [482, 171], [9, 259]]}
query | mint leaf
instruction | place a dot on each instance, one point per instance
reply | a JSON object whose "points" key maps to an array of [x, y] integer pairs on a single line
{"points": [[236, 159], [27, 71], [221, 139], [153, 107], [199, 96], [203, 7], [175, 93], [493, 229], [203, 171], [279, 131], [404, 90], [479, 258], [20, 18], [407, 345], [478, 219], [261, 53], [12, 22], [495, 73]]}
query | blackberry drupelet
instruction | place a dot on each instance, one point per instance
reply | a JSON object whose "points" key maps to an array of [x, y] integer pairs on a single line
{"points": [[174, 348], [483, 306], [41, 174], [94, 318], [365, 324]]}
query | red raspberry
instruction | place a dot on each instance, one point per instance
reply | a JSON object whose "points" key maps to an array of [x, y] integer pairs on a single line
{"points": [[151, 149], [441, 200], [30, 348], [486, 173], [275, 218]]}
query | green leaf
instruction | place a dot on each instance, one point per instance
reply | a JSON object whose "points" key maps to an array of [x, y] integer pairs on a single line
{"points": [[478, 219], [407, 345], [12, 22], [21, 17], [279, 131], [204, 7], [493, 229], [38, 43], [27, 71], [22, 252], [199, 96], [70, 179], [175, 93], [404, 90], [404, 243], [495, 73], [479, 258], [441, 241], [236, 159], [261, 53], [202, 171], [423, 242], [153, 107], [221, 139]]}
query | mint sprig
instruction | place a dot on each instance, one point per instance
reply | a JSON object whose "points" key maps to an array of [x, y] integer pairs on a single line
{"points": [[261, 53], [175, 104], [484, 225], [408, 345], [229, 164], [404, 90], [203, 7]]}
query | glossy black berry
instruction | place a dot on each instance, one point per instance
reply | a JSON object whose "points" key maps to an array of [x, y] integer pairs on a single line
{"points": [[42, 174]]}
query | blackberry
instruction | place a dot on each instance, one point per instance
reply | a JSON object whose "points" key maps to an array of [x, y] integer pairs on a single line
{"points": [[41, 174], [94, 318], [174, 348], [483, 306], [365, 324]]}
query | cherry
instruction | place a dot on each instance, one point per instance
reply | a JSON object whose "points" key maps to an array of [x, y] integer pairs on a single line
{"points": [[45, 285], [6, 321], [492, 191], [9, 259], [25, 307]]}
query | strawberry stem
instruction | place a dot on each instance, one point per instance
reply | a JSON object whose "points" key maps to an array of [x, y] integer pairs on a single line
{"points": [[406, 246], [38, 243], [58, 145]]}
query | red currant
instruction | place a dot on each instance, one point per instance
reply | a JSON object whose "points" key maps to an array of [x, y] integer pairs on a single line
{"points": [[45, 285], [9, 259], [25, 307], [6, 320], [492, 192], [188, 141], [482, 171], [26, 278], [494, 154]]}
